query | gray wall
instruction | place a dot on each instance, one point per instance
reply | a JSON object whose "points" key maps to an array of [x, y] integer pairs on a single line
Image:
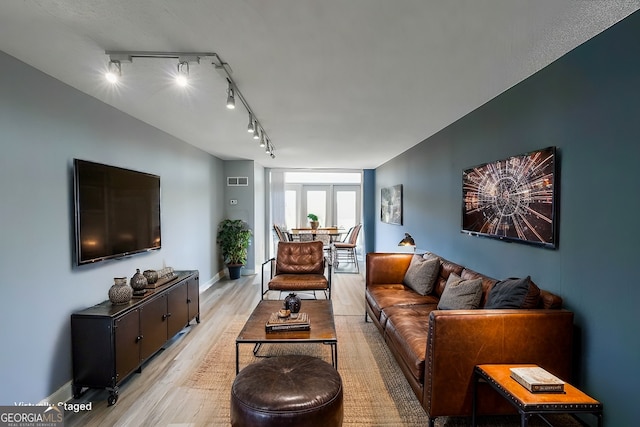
{"points": [[249, 207], [44, 124], [587, 105]]}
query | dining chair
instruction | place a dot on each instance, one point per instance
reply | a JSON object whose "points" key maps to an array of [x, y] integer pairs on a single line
{"points": [[347, 249], [279, 233], [283, 236], [298, 267]]}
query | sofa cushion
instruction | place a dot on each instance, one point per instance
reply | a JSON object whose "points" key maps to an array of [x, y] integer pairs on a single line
{"points": [[422, 274], [461, 294], [406, 333], [391, 311], [380, 297], [514, 293]]}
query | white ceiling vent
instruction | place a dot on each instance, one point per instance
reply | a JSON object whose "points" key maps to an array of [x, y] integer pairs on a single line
{"points": [[237, 181]]}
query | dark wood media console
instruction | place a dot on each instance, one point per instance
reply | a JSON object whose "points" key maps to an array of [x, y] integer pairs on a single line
{"points": [[110, 342]]}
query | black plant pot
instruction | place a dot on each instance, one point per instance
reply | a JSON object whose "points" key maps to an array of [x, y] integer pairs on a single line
{"points": [[234, 271]]}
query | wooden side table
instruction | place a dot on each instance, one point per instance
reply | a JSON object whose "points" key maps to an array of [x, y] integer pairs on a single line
{"points": [[572, 401]]}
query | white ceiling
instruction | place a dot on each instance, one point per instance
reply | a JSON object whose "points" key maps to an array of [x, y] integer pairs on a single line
{"points": [[335, 83]]}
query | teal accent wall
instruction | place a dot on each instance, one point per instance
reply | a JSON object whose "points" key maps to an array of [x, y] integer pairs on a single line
{"points": [[44, 124], [370, 212], [586, 104]]}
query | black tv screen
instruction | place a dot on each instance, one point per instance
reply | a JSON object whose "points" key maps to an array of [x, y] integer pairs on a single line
{"points": [[117, 212], [513, 199]]}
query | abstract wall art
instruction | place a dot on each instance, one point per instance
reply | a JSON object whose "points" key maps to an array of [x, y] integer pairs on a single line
{"points": [[513, 199], [391, 204]]}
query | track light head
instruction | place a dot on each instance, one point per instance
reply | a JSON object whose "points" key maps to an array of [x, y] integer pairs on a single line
{"points": [[114, 71], [262, 143], [251, 125], [231, 100], [256, 134], [270, 150], [182, 78]]}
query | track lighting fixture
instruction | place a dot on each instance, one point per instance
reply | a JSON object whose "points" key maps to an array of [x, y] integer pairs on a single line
{"points": [[269, 150], [114, 72], [182, 78], [251, 125], [231, 100]]}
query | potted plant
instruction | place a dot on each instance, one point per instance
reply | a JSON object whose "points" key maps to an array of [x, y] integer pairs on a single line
{"points": [[234, 237], [313, 220]]}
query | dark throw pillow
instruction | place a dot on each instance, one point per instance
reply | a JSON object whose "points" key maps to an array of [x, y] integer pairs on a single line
{"points": [[514, 293], [461, 294], [422, 274]]}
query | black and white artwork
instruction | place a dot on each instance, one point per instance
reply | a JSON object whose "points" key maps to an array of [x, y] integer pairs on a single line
{"points": [[391, 204]]}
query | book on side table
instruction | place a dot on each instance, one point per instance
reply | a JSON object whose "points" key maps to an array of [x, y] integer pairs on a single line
{"points": [[291, 323], [537, 380]]}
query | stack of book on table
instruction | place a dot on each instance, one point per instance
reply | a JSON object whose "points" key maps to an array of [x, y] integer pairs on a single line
{"points": [[537, 380], [291, 323]]}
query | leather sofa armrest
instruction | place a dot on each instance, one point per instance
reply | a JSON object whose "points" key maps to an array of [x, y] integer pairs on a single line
{"points": [[460, 339], [549, 300], [386, 268]]}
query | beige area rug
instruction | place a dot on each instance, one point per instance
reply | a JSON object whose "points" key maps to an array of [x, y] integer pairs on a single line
{"points": [[375, 390]]}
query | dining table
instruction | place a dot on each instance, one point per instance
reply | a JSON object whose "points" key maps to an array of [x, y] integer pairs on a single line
{"points": [[333, 233]]}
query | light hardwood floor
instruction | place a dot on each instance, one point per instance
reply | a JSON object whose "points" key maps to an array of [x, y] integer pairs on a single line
{"points": [[155, 397]]}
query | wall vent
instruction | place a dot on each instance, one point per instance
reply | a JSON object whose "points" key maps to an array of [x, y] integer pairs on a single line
{"points": [[237, 181]]}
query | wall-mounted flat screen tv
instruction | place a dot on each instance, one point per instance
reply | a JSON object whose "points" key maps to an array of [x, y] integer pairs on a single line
{"points": [[117, 212], [513, 199]]}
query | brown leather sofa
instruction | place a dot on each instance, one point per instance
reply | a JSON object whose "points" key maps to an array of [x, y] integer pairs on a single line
{"points": [[438, 349]]}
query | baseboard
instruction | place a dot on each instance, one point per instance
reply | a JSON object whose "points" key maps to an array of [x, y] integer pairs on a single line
{"points": [[63, 394], [206, 285]]}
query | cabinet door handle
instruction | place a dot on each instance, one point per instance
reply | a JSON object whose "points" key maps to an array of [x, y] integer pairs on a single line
{"points": [[165, 316], [139, 338], [188, 300]]}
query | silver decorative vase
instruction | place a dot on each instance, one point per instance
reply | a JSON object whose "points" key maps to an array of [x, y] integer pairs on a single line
{"points": [[120, 292], [151, 275], [138, 283]]}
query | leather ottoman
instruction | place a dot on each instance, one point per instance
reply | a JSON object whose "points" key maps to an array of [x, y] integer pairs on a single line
{"points": [[287, 391]]}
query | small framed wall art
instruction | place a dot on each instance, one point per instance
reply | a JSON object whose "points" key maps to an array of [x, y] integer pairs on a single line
{"points": [[391, 204]]}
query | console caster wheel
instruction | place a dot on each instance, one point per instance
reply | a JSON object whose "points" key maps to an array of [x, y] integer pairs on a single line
{"points": [[76, 391], [113, 398]]}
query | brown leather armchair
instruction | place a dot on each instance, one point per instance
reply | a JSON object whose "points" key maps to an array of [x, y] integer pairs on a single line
{"points": [[298, 267]]}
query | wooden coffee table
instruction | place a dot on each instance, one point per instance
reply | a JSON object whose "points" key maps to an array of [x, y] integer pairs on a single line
{"points": [[323, 328], [572, 401]]}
